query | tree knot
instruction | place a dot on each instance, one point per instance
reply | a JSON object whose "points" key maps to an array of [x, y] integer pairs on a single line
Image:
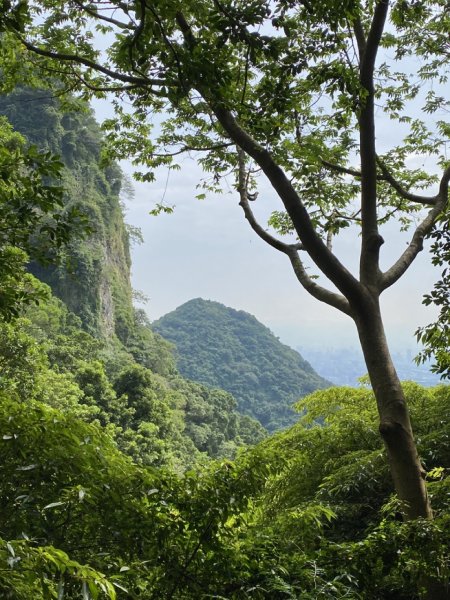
{"points": [[389, 429], [375, 242]]}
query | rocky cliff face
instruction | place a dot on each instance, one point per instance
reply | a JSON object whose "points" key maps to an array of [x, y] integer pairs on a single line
{"points": [[93, 278]]}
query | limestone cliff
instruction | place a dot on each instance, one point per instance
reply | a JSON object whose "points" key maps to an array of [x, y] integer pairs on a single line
{"points": [[93, 278]]}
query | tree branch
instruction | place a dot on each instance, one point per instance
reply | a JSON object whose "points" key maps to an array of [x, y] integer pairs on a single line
{"points": [[106, 88], [416, 245], [185, 29], [97, 15], [291, 250], [387, 176], [371, 239], [329, 240], [74, 58], [315, 290], [136, 35], [343, 170], [243, 195], [443, 187], [360, 37], [327, 262], [373, 39], [194, 149], [170, 46]]}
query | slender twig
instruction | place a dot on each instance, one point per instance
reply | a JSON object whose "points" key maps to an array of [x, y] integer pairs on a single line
{"points": [[74, 58], [244, 87], [330, 240], [97, 15], [170, 46], [257, 228], [291, 250], [343, 170], [194, 149], [389, 178], [136, 35], [106, 88]]}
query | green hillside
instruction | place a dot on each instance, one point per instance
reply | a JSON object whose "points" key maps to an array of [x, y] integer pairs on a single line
{"points": [[117, 481], [86, 350], [93, 277], [231, 349]]}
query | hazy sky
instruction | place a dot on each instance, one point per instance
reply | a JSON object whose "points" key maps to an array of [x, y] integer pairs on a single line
{"points": [[206, 249]]}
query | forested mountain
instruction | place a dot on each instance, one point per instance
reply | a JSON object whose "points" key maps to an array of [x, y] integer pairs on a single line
{"points": [[232, 350], [90, 353], [117, 481], [111, 487], [120, 479]]}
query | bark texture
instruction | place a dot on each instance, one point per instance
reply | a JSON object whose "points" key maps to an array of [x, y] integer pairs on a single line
{"points": [[395, 425]]}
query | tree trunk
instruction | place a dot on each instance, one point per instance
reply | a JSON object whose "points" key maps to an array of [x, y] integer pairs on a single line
{"points": [[395, 425]]}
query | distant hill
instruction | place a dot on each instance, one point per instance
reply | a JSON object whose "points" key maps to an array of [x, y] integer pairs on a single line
{"points": [[231, 349]]}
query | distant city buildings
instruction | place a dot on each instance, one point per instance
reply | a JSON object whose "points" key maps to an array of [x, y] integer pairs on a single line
{"points": [[343, 366]]}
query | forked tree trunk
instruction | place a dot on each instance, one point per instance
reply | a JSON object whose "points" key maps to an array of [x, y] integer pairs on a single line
{"points": [[395, 425]]}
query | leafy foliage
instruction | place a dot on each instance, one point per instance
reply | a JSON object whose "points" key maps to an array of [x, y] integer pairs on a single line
{"points": [[436, 336], [306, 514], [292, 91], [32, 215], [147, 530], [154, 419], [329, 500], [93, 275]]}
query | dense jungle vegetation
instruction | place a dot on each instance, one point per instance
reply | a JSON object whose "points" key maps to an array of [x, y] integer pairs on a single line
{"points": [[121, 479], [230, 349], [114, 482], [103, 357]]}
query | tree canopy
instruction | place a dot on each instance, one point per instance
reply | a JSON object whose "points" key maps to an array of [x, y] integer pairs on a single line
{"points": [[307, 514]]}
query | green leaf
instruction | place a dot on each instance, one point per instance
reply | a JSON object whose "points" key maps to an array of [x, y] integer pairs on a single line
{"points": [[53, 505]]}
